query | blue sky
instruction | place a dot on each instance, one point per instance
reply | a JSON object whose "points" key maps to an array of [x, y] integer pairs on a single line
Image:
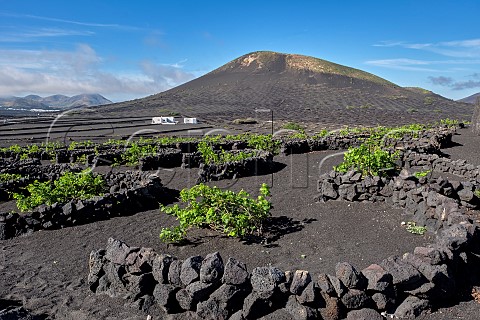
{"points": [[130, 49]]}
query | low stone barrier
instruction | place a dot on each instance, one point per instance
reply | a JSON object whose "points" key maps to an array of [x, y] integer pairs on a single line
{"points": [[261, 163], [434, 204], [165, 158], [208, 288], [438, 163], [129, 192], [429, 141], [352, 186], [30, 171], [330, 142], [9, 165], [191, 160]]}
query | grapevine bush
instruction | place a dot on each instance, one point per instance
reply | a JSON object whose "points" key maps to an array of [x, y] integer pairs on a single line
{"points": [[4, 177], [82, 185], [234, 214], [209, 155], [370, 159], [135, 151], [263, 142]]}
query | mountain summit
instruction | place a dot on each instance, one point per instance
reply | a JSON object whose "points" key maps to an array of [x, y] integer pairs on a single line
{"points": [[273, 62], [296, 88]]}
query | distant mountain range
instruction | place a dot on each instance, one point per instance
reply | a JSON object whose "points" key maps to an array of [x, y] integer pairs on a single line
{"points": [[471, 99], [294, 88], [55, 102]]}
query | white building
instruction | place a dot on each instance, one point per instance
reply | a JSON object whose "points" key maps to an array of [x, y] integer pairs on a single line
{"points": [[164, 120], [190, 120]]}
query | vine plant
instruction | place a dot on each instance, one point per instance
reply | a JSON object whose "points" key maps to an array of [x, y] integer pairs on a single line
{"points": [[70, 185], [234, 214]]}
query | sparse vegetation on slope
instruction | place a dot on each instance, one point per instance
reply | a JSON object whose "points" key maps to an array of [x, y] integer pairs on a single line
{"points": [[296, 88]]}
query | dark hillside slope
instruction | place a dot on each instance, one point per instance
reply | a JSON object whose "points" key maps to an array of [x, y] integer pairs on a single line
{"points": [[296, 88], [471, 99]]}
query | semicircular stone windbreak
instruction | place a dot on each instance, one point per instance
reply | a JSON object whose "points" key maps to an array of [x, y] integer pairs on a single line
{"points": [[125, 193], [211, 288]]}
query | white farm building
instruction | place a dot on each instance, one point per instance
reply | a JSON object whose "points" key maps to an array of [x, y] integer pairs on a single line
{"points": [[164, 120]]}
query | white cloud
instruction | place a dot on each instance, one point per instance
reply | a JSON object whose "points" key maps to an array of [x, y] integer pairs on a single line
{"points": [[474, 43], [45, 72], [416, 65], [74, 22], [10, 34], [402, 64], [468, 48], [167, 74]]}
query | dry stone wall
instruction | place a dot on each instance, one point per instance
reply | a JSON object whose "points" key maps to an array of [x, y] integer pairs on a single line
{"points": [[211, 288], [433, 203], [129, 192], [430, 141], [260, 163], [438, 163]]}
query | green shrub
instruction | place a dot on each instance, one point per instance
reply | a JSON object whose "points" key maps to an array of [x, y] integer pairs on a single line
{"points": [[213, 139], [167, 112], [412, 130], [234, 214], [323, 133], [264, 142], [114, 142], [245, 121], [15, 148], [82, 185], [413, 228], [134, 152], [293, 126], [428, 100], [4, 177], [369, 159], [298, 135], [209, 155], [50, 148], [72, 146], [355, 130], [82, 159], [77, 145], [234, 156], [32, 149], [449, 122], [421, 174], [24, 152], [344, 132]]}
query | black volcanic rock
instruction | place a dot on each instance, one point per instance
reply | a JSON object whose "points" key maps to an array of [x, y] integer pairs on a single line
{"points": [[295, 88]]}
